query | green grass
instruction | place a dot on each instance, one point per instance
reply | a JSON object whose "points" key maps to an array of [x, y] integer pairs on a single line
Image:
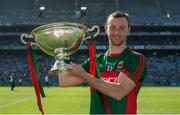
{"points": [[151, 100], [159, 100]]}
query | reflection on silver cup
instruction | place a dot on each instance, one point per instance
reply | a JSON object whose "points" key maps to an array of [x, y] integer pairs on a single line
{"points": [[60, 40]]}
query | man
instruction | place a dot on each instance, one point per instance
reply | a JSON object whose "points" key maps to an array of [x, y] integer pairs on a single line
{"points": [[47, 81], [122, 72], [20, 81], [12, 82]]}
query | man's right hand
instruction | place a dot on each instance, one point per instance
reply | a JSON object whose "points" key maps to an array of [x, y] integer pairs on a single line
{"points": [[66, 79]]}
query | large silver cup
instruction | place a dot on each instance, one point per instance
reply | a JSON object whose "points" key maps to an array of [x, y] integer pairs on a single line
{"points": [[61, 40]]}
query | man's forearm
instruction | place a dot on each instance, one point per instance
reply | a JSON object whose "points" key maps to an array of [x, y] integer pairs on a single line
{"points": [[115, 90], [104, 87]]}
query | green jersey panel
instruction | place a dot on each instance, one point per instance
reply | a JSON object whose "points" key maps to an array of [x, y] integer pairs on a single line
{"points": [[135, 65]]}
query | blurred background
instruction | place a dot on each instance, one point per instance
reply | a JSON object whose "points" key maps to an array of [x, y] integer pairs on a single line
{"points": [[155, 33]]}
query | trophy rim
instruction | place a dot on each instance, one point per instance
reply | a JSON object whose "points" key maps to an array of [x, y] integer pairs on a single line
{"points": [[47, 49], [58, 24]]}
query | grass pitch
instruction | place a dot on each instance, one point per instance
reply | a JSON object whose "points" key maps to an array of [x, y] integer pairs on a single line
{"points": [[75, 100]]}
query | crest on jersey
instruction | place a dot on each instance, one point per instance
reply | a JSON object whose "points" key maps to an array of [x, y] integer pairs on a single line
{"points": [[120, 65]]}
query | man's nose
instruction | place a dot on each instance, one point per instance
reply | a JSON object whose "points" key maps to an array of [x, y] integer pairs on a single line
{"points": [[117, 32]]}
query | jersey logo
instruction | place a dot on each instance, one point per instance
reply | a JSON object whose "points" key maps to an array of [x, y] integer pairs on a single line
{"points": [[120, 65], [100, 65], [110, 77]]}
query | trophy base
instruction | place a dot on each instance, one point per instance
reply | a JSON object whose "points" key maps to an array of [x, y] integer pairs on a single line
{"points": [[57, 71], [59, 67]]}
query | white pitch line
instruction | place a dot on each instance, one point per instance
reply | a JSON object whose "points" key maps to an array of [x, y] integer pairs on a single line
{"points": [[15, 102]]}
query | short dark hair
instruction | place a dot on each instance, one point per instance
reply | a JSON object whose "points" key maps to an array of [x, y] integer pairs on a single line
{"points": [[119, 14]]}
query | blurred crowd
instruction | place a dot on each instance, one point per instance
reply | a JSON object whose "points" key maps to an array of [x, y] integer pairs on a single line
{"points": [[163, 69]]}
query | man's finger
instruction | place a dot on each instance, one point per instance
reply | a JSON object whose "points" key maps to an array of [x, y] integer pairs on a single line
{"points": [[70, 67], [74, 65]]}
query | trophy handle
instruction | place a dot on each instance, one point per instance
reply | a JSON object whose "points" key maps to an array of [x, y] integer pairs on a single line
{"points": [[26, 36], [95, 27]]}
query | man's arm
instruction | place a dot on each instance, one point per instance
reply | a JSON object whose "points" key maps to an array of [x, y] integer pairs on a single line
{"points": [[117, 91], [67, 80]]}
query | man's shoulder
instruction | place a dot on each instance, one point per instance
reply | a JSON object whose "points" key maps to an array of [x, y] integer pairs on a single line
{"points": [[100, 55], [133, 54]]}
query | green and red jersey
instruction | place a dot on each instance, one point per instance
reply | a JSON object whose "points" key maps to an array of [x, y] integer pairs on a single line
{"points": [[129, 62]]}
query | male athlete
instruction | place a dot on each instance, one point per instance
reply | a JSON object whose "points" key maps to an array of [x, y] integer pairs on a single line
{"points": [[47, 81], [122, 72], [12, 82]]}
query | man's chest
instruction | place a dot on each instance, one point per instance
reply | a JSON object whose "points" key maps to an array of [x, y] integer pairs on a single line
{"points": [[110, 69]]}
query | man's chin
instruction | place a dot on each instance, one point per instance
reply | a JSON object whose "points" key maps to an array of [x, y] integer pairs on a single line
{"points": [[117, 43]]}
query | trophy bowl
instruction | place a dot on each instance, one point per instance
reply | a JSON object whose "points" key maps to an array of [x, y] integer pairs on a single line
{"points": [[59, 40]]}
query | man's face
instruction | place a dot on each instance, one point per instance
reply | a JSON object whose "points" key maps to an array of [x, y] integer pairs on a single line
{"points": [[117, 30]]}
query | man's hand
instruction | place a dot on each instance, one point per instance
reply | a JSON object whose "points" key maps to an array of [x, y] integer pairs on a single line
{"points": [[77, 70], [73, 76]]}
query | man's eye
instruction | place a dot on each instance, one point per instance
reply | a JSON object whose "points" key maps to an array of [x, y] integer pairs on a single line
{"points": [[112, 28], [122, 28]]}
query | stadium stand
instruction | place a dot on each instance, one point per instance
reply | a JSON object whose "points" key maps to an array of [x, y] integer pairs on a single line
{"points": [[155, 32]]}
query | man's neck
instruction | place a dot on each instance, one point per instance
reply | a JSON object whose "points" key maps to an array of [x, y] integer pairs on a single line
{"points": [[117, 49]]}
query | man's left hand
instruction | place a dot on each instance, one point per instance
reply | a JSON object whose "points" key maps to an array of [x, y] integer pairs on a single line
{"points": [[77, 70]]}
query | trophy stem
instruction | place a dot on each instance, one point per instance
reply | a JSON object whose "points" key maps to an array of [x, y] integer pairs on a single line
{"points": [[59, 65]]}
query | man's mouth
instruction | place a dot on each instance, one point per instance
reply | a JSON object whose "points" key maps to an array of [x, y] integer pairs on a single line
{"points": [[116, 38]]}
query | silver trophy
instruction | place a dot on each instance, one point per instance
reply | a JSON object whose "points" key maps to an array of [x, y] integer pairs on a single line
{"points": [[60, 40]]}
